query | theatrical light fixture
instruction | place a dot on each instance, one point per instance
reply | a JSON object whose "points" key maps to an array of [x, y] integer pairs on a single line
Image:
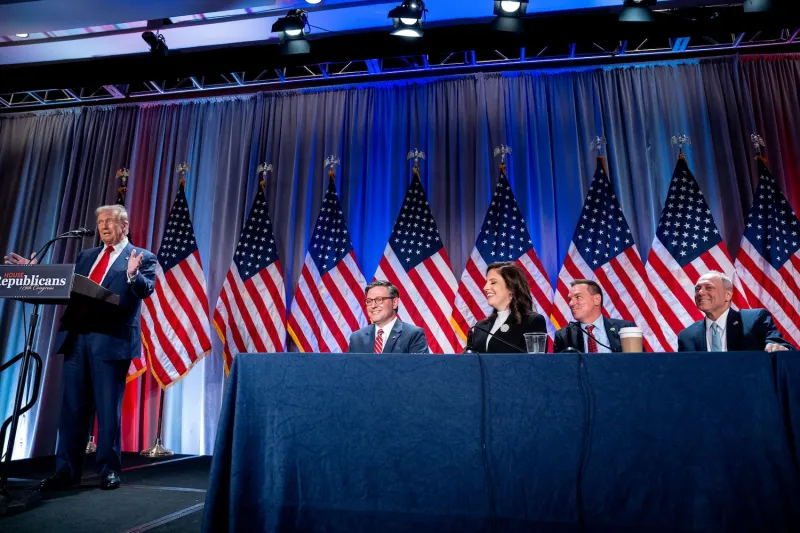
{"points": [[313, 1], [637, 11], [765, 6], [407, 18], [291, 31], [509, 15], [158, 45], [22, 35]]}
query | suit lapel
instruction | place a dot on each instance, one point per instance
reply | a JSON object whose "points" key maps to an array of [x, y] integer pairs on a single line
{"points": [[734, 330], [84, 267], [119, 265], [700, 336], [578, 338], [612, 334], [390, 342]]}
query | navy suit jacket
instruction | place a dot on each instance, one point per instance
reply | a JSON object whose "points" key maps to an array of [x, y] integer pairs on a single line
{"points": [[404, 338], [116, 335], [571, 337], [746, 330]]}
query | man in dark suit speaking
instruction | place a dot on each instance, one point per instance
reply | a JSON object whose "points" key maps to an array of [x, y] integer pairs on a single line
{"points": [[592, 330], [386, 334], [725, 329], [98, 351]]}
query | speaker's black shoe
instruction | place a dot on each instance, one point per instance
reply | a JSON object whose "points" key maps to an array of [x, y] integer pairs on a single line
{"points": [[110, 481], [59, 481]]}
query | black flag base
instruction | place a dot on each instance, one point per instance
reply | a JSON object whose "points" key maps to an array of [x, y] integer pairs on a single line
{"points": [[22, 500]]}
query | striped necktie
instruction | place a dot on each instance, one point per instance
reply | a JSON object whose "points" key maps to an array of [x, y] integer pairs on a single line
{"points": [[379, 342]]}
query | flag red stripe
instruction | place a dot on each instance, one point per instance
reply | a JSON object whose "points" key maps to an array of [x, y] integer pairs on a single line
{"points": [[323, 310], [232, 330], [164, 344], [350, 279], [205, 342], [677, 291], [299, 335], [262, 311], [153, 363], [340, 303], [643, 306], [613, 295], [248, 324], [172, 319], [305, 309], [433, 307], [764, 280]]}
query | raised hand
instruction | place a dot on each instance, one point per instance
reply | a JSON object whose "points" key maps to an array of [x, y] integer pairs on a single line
{"points": [[134, 261], [14, 259]]}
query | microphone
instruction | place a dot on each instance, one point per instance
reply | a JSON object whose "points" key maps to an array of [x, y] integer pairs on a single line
{"points": [[81, 232], [516, 348], [575, 325]]}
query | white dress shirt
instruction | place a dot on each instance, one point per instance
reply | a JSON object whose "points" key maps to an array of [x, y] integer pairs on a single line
{"points": [[387, 329], [599, 332], [502, 316], [723, 335], [117, 250]]}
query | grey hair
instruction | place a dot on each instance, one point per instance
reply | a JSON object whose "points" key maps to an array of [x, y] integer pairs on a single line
{"points": [[393, 292], [120, 213], [726, 281]]}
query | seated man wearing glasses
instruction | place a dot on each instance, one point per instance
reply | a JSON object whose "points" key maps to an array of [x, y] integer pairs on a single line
{"points": [[386, 334]]}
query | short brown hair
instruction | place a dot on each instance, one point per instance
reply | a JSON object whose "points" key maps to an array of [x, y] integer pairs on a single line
{"points": [[594, 287], [393, 292]]}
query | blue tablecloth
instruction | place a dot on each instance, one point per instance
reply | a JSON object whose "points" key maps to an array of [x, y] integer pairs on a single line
{"points": [[397, 443]]}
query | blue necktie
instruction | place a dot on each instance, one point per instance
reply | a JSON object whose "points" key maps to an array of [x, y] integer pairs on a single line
{"points": [[716, 338]]}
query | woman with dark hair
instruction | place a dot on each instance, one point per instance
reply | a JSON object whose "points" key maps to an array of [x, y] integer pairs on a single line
{"points": [[508, 292]]}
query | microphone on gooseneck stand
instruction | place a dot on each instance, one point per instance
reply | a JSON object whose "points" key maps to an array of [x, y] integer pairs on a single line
{"points": [[577, 325], [516, 348], [470, 335]]}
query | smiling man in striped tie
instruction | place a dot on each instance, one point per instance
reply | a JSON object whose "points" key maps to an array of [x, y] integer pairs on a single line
{"points": [[386, 334], [98, 350]]}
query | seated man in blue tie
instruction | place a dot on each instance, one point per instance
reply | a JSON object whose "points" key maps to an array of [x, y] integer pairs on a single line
{"points": [[386, 334], [724, 329]]}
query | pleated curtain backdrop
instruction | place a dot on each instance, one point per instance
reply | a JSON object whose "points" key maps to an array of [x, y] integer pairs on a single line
{"points": [[56, 166]]}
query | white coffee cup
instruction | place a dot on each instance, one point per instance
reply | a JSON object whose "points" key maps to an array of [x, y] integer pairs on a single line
{"points": [[631, 339]]}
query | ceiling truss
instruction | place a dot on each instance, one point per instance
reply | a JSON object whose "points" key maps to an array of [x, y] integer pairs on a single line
{"points": [[546, 56]]}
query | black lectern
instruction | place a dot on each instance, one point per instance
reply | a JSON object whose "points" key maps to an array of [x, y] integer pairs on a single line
{"points": [[89, 306]]}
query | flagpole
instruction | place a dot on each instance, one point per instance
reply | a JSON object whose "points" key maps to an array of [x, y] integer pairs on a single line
{"points": [[158, 449]]}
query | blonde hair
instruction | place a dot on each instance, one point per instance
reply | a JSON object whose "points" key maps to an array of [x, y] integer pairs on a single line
{"points": [[120, 213]]}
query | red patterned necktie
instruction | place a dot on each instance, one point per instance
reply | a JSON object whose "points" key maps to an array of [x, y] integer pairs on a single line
{"points": [[591, 342], [379, 342], [100, 269]]}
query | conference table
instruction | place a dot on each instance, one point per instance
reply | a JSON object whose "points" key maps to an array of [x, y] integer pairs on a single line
{"points": [[691, 442]]}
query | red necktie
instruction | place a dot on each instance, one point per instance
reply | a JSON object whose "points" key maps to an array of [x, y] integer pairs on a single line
{"points": [[591, 342], [379, 342], [100, 269]]}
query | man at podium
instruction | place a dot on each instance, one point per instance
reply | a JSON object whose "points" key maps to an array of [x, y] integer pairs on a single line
{"points": [[97, 356]]}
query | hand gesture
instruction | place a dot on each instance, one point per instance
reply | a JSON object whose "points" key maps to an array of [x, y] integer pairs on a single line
{"points": [[134, 261], [14, 259], [772, 347]]}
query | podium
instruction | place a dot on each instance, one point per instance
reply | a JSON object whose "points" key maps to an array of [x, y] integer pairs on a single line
{"points": [[90, 308]]}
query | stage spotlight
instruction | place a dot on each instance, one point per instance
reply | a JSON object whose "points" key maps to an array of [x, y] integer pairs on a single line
{"points": [[509, 15], [158, 45], [637, 11], [291, 31], [313, 1], [22, 35], [407, 18]]}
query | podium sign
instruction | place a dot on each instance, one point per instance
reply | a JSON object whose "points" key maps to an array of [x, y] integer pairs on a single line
{"points": [[36, 282]]}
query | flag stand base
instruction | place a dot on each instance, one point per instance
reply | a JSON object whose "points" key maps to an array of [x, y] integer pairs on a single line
{"points": [[157, 450]]}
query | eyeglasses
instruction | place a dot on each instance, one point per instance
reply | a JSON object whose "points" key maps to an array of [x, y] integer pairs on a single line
{"points": [[377, 300]]}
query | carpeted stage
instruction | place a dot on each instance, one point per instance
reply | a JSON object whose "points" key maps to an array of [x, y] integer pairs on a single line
{"points": [[158, 495]]}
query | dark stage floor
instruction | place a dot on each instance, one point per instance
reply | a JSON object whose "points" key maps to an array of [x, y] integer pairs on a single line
{"points": [[160, 495]]}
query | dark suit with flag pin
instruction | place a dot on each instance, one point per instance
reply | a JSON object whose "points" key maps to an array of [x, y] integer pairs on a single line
{"points": [[386, 334], [725, 329], [98, 352]]}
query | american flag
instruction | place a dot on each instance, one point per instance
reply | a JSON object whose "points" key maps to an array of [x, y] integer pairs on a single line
{"points": [[250, 315], [328, 300], [768, 263], [175, 323], [504, 236], [137, 368], [416, 262], [686, 246], [602, 249]]}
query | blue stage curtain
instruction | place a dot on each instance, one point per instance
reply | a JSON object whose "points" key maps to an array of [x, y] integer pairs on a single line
{"points": [[56, 166]]}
